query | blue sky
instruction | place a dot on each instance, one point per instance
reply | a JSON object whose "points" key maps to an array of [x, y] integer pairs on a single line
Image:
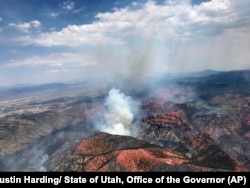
{"points": [[43, 41]]}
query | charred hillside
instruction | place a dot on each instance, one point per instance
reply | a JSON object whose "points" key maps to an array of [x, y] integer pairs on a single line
{"points": [[105, 152], [199, 123]]}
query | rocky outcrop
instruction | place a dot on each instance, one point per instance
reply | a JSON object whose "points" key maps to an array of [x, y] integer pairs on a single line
{"points": [[176, 118], [207, 132], [208, 153], [104, 152], [246, 119]]}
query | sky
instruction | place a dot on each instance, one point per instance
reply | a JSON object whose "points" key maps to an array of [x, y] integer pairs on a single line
{"points": [[45, 41]]}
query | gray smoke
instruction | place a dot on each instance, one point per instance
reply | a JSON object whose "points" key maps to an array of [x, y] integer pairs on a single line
{"points": [[140, 66]]}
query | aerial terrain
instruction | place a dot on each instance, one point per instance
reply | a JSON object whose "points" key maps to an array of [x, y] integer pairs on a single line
{"points": [[195, 122]]}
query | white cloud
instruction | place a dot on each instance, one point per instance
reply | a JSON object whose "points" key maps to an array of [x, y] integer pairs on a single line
{"points": [[54, 14], [170, 21], [68, 5], [54, 60], [1, 19], [60, 71], [26, 26], [73, 35]]}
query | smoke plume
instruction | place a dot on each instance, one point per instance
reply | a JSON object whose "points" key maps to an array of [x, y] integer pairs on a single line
{"points": [[119, 114]]}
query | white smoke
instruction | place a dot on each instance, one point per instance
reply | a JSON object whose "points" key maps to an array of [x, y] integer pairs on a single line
{"points": [[119, 114]]}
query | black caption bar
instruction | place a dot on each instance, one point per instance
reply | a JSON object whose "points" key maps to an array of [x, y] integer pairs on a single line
{"points": [[225, 179]]}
